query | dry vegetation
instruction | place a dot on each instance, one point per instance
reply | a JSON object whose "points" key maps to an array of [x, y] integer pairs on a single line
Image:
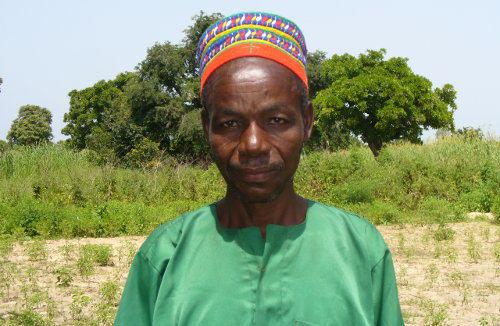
{"points": [[447, 275]]}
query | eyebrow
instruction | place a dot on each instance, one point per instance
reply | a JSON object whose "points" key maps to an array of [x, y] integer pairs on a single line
{"points": [[275, 107]]}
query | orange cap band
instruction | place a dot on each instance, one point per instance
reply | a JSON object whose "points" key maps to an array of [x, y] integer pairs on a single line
{"points": [[252, 49]]}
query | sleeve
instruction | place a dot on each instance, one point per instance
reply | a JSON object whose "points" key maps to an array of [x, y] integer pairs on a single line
{"points": [[140, 293], [387, 310]]}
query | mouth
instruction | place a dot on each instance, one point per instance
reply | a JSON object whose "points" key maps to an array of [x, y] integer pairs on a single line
{"points": [[256, 175]]}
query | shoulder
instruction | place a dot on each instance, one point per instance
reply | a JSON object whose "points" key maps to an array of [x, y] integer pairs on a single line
{"points": [[350, 225], [160, 245]]}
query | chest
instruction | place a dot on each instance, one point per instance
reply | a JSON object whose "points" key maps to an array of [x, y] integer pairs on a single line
{"points": [[279, 281]]}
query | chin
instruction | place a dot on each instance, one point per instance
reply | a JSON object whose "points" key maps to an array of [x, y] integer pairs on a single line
{"points": [[259, 195]]}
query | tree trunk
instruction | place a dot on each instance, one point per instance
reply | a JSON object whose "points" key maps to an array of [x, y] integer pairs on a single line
{"points": [[375, 147]]}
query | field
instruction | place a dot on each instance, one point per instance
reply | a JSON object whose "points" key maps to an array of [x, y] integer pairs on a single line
{"points": [[69, 228], [446, 276]]}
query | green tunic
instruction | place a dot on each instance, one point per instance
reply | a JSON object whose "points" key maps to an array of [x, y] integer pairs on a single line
{"points": [[332, 269]]}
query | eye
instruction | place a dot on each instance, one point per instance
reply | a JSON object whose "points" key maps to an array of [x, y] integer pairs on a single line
{"points": [[277, 121], [230, 124]]}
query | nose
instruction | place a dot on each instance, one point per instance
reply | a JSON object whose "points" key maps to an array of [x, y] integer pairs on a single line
{"points": [[253, 142]]}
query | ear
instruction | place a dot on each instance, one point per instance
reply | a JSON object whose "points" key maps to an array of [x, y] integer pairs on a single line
{"points": [[308, 117]]}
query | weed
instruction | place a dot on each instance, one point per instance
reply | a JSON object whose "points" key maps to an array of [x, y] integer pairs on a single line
{"points": [[402, 277], [102, 255], [402, 248], [67, 251], [496, 252], [109, 292], [6, 245], [427, 235], [457, 279], [473, 249], [85, 263], [8, 270], [492, 288], [27, 317], [485, 233], [79, 303], [466, 292], [488, 319], [401, 242], [432, 274], [438, 249], [483, 321], [451, 254], [444, 232], [92, 254], [64, 276], [434, 313], [36, 250]]}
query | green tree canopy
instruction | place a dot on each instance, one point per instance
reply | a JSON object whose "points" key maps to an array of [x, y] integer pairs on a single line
{"points": [[31, 127], [381, 100], [336, 136], [147, 112], [89, 108]]}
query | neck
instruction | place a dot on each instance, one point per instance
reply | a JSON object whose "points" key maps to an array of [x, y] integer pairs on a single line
{"points": [[287, 208]]}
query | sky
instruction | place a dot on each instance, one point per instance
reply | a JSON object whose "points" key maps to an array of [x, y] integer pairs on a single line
{"points": [[48, 48]]}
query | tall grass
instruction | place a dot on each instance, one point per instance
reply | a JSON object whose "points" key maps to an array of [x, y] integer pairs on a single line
{"points": [[53, 192]]}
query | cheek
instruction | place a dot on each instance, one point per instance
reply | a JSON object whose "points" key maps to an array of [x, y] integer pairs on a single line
{"points": [[289, 145], [221, 147]]}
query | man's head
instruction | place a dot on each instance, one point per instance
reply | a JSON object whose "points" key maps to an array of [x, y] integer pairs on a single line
{"points": [[256, 121], [254, 89]]}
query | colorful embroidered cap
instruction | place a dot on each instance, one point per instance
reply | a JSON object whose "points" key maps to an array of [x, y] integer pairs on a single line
{"points": [[252, 34]]}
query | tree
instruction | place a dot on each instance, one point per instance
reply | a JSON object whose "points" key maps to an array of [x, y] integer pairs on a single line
{"points": [[317, 81], [31, 127], [335, 136], [381, 100], [146, 112], [192, 35], [88, 106]]}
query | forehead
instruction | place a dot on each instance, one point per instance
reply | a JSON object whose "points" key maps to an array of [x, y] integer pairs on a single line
{"points": [[251, 79]]}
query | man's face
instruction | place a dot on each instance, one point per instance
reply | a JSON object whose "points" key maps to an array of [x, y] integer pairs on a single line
{"points": [[256, 125]]}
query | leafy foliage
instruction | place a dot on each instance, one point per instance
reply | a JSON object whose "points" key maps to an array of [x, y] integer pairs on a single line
{"points": [[381, 100], [140, 116], [31, 127], [51, 191]]}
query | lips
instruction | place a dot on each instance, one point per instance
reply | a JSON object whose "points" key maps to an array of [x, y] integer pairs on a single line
{"points": [[256, 175]]}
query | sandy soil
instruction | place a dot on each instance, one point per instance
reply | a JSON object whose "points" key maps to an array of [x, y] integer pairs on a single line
{"points": [[447, 282]]}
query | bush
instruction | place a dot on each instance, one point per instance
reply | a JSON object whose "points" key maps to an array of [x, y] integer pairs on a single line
{"points": [[64, 276], [91, 254], [444, 232], [52, 191]]}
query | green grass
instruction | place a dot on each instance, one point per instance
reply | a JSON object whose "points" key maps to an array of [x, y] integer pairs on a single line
{"points": [[53, 192]]}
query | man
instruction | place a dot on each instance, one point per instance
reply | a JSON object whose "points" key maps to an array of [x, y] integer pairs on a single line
{"points": [[262, 255]]}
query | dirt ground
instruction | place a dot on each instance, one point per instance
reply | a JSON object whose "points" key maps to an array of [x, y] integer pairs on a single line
{"points": [[446, 276]]}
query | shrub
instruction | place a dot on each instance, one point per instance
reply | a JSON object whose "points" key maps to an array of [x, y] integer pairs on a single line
{"points": [[36, 249], [27, 317], [444, 232], [91, 255], [52, 191], [64, 276]]}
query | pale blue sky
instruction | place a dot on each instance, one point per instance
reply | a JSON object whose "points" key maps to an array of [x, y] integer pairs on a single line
{"points": [[48, 48]]}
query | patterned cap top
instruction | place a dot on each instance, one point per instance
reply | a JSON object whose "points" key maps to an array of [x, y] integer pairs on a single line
{"points": [[252, 34]]}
